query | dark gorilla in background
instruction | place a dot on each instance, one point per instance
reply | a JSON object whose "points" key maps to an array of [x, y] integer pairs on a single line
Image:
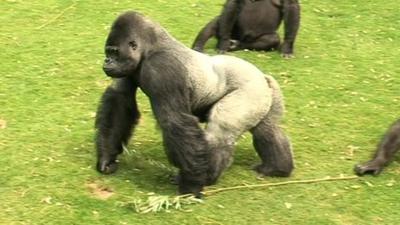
{"points": [[385, 152], [253, 24], [186, 87]]}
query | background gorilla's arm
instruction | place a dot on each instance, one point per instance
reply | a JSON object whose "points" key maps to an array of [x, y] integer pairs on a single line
{"points": [[291, 18], [116, 117], [184, 140], [385, 152], [226, 22], [206, 33]]}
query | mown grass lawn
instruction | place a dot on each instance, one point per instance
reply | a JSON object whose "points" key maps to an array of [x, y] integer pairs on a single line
{"points": [[341, 90]]}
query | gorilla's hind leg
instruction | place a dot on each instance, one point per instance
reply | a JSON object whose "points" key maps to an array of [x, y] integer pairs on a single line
{"points": [[266, 42], [274, 149]]}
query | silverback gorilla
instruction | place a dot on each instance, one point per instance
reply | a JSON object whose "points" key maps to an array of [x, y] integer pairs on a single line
{"points": [[253, 24], [185, 88], [385, 152]]}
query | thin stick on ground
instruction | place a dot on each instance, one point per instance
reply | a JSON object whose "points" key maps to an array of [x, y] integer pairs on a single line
{"points": [[56, 17], [157, 203], [210, 192]]}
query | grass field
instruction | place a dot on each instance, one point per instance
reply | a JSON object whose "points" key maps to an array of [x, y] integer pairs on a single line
{"points": [[341, 91]]}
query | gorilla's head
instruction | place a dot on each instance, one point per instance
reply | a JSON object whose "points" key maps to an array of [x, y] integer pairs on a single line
{"points": [[131, 36]]}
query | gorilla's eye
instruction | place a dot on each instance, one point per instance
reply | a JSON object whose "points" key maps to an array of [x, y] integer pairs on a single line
{"points": [[133, 45]]}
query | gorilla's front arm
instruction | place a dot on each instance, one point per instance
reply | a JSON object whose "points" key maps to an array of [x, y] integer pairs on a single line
{"points": [[385, 152], [116, 117], [291, 18], [226, 22], [184, 140]]}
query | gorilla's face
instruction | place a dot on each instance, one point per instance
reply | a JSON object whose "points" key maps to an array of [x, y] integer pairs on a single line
{"points": [[123, 54]]}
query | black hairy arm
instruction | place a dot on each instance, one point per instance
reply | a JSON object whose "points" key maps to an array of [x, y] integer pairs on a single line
{"points": [[226, 22], [291, 19], [116, 118], [184, 140]]}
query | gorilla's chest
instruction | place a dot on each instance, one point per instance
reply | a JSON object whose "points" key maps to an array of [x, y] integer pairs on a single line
{"points": [[259, 16]]}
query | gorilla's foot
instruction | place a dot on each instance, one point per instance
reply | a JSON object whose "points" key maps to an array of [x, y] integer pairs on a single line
{"points": [[211, 180], [287, 55], [176, 180], [190, 188], [271, 172], [199, 49], [371, 167], [221, 52]]}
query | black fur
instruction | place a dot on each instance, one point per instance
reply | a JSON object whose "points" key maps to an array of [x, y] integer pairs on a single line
{"points": [[271, 144], [252, 24], [116, 117], [184, 140], [384, 154]]}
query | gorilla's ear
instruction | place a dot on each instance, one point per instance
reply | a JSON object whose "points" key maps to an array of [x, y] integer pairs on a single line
{"points": [[277, 2]]}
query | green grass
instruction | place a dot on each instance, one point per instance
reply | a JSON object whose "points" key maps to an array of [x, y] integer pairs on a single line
{"points": [[341, 90]]}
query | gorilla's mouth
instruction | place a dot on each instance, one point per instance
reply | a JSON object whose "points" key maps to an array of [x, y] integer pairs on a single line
{"points": [[112, 72]]}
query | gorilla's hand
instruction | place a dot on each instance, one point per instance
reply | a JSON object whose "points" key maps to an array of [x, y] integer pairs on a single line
{"points": [[107, 165], [223, 45], [189, 185], [194, 189], [287, 50], [371, 167]]}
